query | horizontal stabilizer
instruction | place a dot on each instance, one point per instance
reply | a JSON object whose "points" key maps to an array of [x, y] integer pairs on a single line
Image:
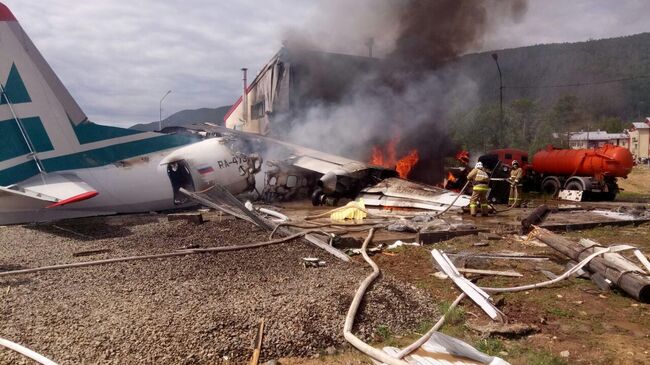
{"points": [[55, 189]]}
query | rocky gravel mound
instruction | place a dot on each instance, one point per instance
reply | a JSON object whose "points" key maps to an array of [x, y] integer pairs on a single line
{"points": [[198, 309]]}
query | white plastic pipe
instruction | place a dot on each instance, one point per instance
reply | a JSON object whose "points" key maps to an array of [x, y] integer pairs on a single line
{"points": [[26, 352], [273, 213]]}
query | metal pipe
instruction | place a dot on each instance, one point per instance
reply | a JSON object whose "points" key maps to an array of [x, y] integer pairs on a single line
{"points": [[496, 60], [244, 98], [160, 115], [158, 256], [23, 131]]}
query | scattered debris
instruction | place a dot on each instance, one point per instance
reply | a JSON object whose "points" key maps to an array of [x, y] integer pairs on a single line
{"points": [[509, 330], [537, 216], [481, 244], [393, 192], [512, 274], [312, 262], [400, 244], [191, 217], [571, 195], [443, 349], [434, 344], [257, 350], [401, 227], [500, 256], [489, 236], [91, 252], [611, 265], [474, 292]]}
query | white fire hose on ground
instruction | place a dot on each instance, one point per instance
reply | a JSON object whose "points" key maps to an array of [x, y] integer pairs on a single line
{"points": [[26, 352]]}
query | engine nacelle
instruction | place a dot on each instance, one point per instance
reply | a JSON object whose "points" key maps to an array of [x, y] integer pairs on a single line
{"points": [[201, 165]]}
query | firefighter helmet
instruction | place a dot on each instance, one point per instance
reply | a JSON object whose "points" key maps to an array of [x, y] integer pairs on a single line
{"points": [[479, 165], [515, 163]]}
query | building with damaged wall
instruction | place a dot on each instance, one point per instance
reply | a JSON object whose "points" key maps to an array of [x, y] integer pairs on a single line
{"points": [[292, 82]]}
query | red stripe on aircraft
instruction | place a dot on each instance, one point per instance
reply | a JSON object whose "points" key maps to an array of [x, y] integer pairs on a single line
{"points": [[5, 14], [75, 199]]}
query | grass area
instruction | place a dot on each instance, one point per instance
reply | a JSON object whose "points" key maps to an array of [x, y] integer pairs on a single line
{"points": [[635, 187], [544, 358], [490, 346]]}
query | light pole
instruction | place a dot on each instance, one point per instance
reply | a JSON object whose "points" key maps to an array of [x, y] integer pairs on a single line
{"points": [[160, 115], [496, 60]]}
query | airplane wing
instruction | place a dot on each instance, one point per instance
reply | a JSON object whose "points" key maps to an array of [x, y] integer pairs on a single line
{"points": [[341, 176], [53, 189]]}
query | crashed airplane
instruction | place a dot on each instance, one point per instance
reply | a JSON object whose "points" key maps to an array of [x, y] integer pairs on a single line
{"points": [[56, 164]]}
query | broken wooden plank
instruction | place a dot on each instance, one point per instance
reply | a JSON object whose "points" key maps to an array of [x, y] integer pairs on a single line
{"points": [[191, 217], [432, 237], [567, 227], [91, 252], [512, 274], [257, 350]]}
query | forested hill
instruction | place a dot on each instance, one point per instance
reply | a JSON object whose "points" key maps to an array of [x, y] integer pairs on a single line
{"points": [[531, 72], [554, 88]]}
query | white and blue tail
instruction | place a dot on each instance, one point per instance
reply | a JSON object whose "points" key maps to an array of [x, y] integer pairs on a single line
{"points": [[42, 129]]}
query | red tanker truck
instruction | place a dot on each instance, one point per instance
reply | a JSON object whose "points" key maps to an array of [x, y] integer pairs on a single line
{"points": [[593, 171]]}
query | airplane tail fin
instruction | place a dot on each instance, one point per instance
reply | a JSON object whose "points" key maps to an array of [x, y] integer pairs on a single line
{"points": [[42, 128]]}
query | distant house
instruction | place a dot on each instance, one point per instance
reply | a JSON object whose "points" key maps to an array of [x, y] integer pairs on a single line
{"points": [[640, 139], [594, 139], [292, 82]]}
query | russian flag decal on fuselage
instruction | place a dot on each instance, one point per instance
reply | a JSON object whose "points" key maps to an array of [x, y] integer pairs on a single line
{"points": [[205, 170]]}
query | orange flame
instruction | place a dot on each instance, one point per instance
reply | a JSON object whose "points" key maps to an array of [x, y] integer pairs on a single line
{"points": [[387, 157], [451, 177], [463, 157], [405, 165]]}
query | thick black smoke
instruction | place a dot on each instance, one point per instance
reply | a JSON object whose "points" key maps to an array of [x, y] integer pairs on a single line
{"points": [[402, 93]]}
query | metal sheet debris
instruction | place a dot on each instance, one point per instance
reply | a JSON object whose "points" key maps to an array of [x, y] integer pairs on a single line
{"points": [[479, 297], [571, 195]]}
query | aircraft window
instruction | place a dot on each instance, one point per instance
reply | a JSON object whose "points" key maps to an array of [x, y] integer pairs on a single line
{"points": [[508, 156], [257, 110], [292, 181], [273, 181]]}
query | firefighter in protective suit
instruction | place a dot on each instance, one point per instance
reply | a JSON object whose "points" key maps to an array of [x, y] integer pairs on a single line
{"points": [[515, 187], [480, 179]]}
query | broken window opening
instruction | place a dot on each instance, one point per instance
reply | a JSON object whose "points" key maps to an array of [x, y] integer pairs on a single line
{"points": [[257, 110]]}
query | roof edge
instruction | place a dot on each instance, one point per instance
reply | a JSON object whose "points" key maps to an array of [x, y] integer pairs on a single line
{"points": [[5, 14]]}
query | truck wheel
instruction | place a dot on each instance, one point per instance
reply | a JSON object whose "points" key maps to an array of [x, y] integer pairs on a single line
{"points": [[550, 187], [574, 185]]}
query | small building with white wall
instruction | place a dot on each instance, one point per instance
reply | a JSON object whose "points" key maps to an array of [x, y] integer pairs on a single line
{"points": [[595, 139], [640, 139]]}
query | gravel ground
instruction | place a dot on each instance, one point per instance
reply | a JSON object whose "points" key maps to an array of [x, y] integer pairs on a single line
{"points": [[197, 309]]}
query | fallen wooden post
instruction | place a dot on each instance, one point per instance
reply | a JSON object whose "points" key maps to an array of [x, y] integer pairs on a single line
{"points": [[255, 359], [537, 216], [612, 266]]}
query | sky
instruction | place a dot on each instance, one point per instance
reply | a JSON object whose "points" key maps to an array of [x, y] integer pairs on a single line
{"points": [[118, 58]]}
